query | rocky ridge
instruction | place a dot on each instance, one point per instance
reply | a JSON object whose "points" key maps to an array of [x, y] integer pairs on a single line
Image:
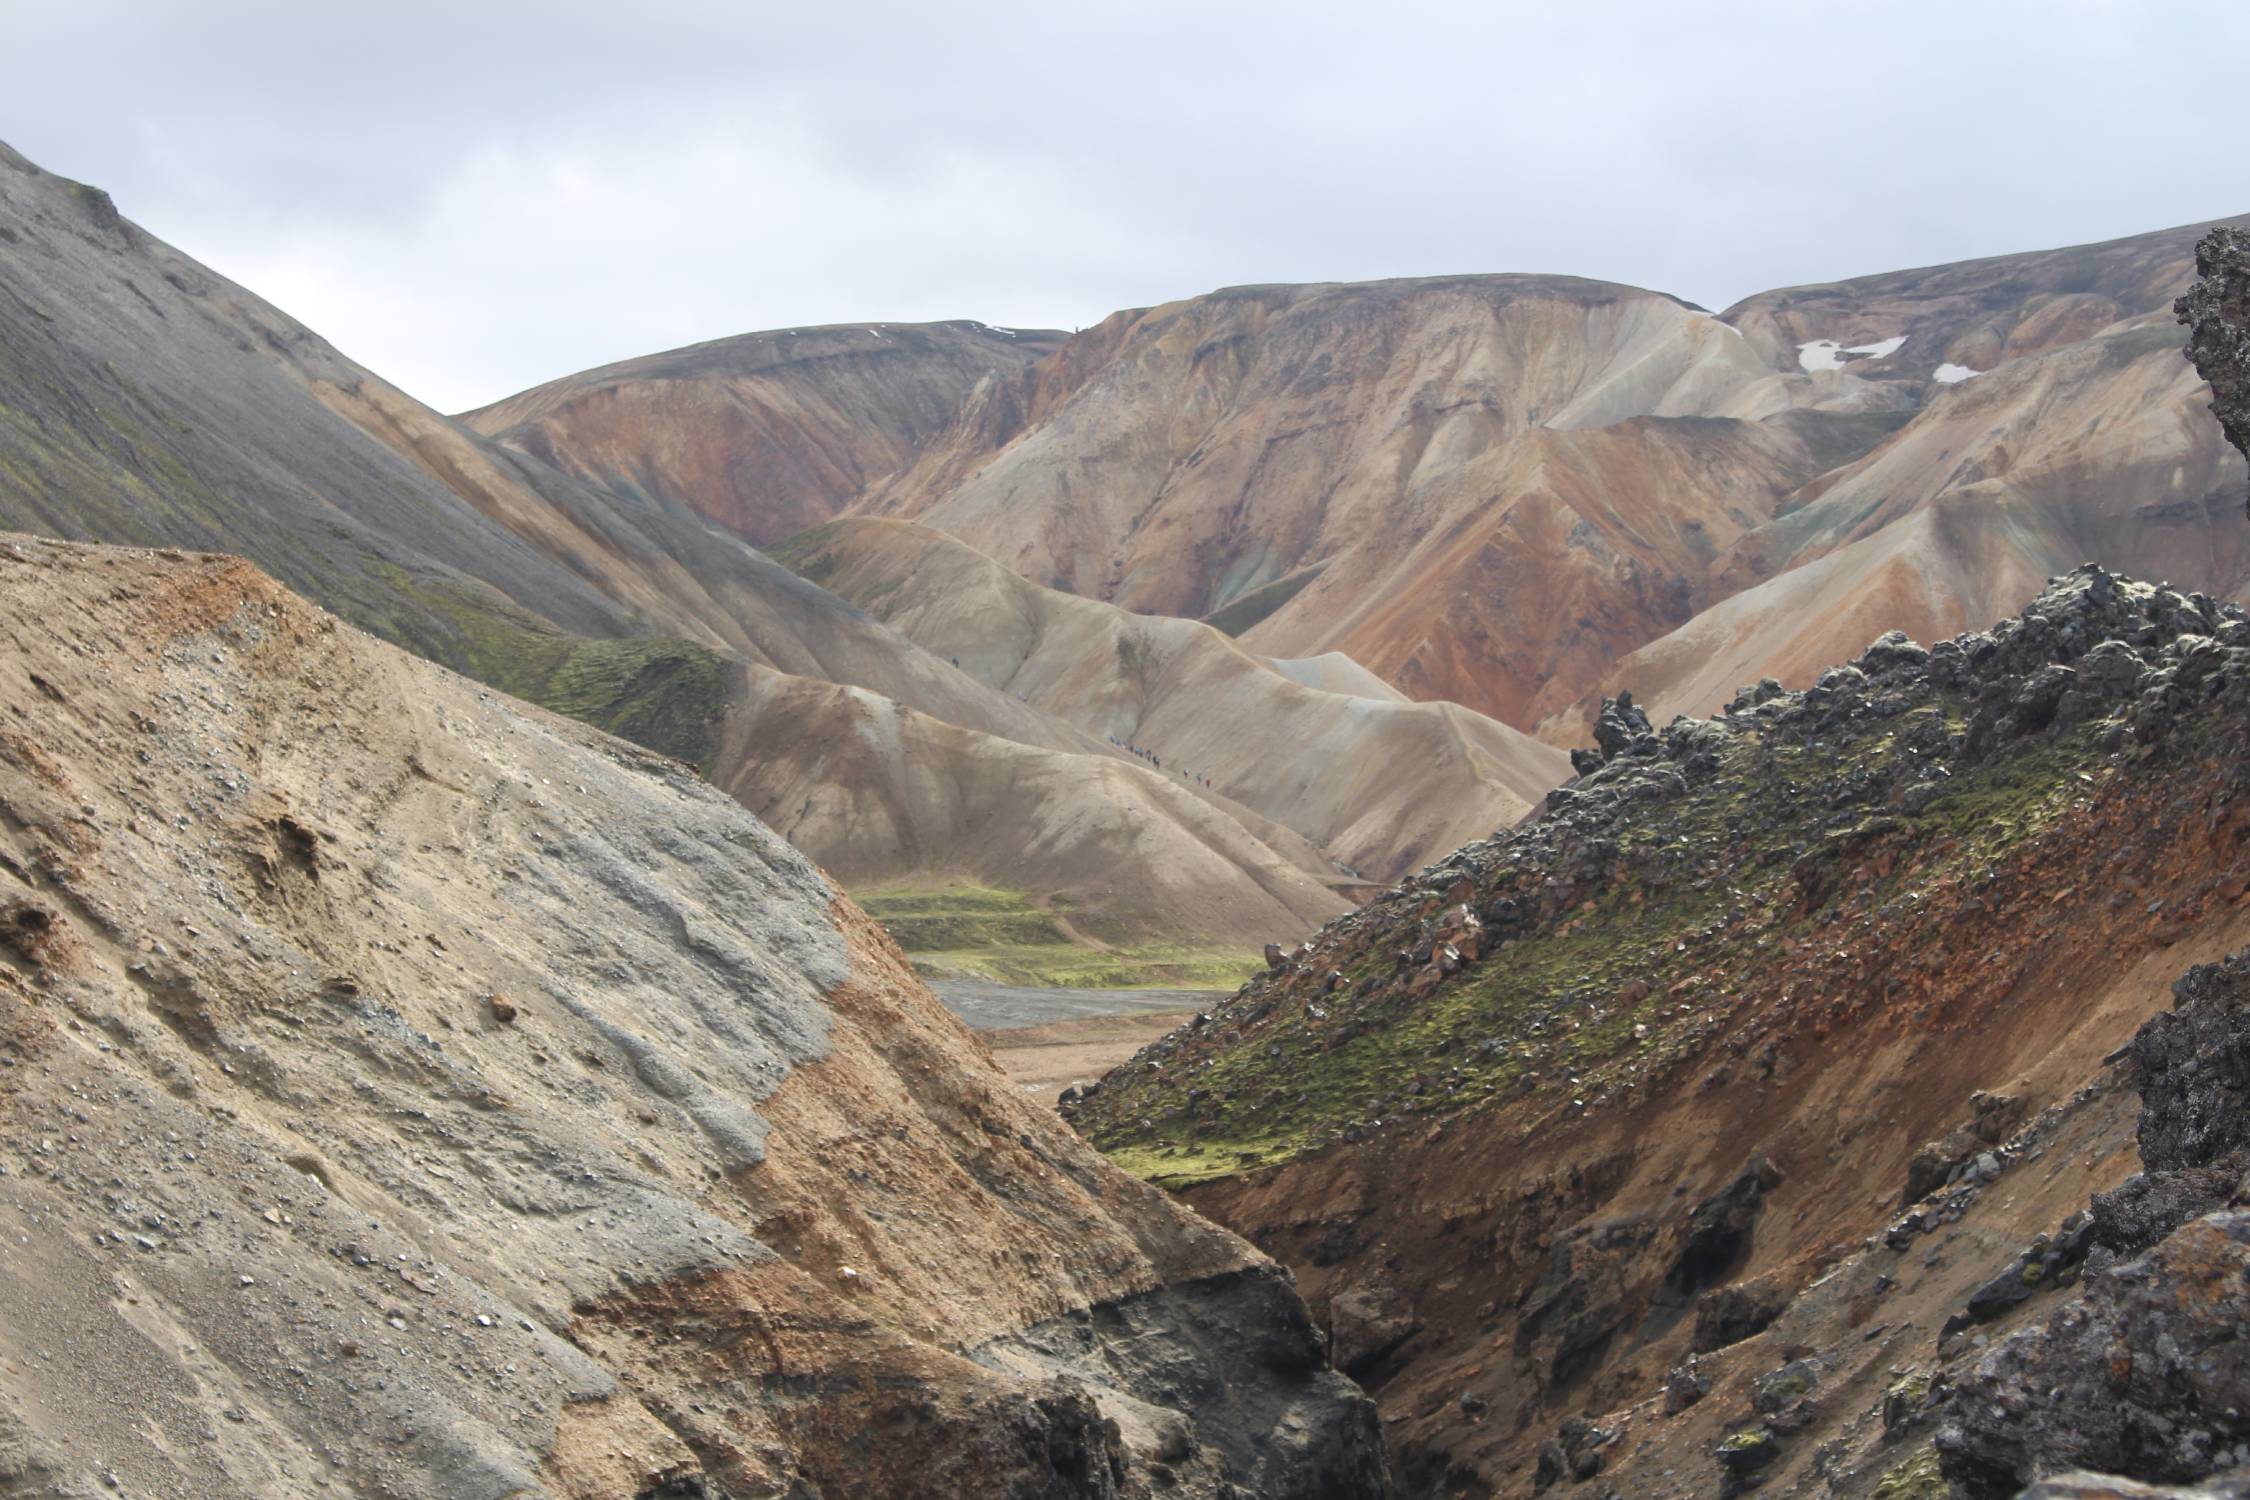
{"points": [[1606, 1096], [2216, 311]]}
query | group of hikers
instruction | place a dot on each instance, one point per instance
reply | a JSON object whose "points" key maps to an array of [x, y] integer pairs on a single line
{"points": [[1156, 760]]}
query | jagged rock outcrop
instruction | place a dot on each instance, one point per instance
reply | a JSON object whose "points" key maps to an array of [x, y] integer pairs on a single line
{"points": [[2216, 311], [2145, 1374], [405, 1091]]}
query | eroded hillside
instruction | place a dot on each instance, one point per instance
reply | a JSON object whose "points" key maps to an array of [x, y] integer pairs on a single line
{"points": [[408, 1092], [1378, 784], [1635, 1081]]}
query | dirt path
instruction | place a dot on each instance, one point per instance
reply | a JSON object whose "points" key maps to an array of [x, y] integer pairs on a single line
{"points": [[1045, 1060], [989, 1007], [1049, 1039]]}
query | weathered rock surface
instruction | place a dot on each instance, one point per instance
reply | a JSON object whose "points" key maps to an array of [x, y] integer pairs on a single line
{"points": [[2216, 311], [404, 1091], [2146, 1373]]}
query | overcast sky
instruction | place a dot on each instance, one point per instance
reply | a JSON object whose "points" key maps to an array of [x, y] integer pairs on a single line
{"points": [[471, 198]]}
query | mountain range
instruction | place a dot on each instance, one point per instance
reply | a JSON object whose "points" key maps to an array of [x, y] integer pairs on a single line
{"points": [[1439, 519], [1721, 816]]}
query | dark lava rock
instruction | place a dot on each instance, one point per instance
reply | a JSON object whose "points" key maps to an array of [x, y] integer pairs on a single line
{"points": [[1743, 1454], [2194, 1064], [1576, 1452], [1718, 1237], [1621, 727], [2146, 1375], [1730, 1314], [2216, 311], [1683, 1387], [1778, 1390]]}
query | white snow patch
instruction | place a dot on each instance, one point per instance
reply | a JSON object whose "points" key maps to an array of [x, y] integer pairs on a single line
{"points": [[876, 331], [1820, 354], [1827, 354], [1950, 374]]}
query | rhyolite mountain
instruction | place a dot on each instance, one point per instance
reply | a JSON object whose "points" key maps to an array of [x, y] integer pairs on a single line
{"points": [[405, 1091], [145, 399], [1516, 492], [766, 433]]}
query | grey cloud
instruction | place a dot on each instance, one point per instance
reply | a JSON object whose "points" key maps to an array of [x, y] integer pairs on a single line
{"points": [[472, 198]]}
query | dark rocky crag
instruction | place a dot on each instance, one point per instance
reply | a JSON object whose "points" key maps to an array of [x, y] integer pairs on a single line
{"points": [[2216, 311], [2146, 1374]]}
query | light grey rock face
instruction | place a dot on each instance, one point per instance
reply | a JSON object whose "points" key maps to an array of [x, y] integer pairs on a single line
{"points": [[2088, 1486], [289, 1205]]}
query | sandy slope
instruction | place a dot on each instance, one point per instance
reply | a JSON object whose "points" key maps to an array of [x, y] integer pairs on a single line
{"points": [[880, 791], [406, 1092], [1380, 785]]}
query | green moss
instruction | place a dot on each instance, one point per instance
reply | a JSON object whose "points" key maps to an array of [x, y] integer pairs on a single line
{"points": [[806, 554], [959, 930], [1676, 919], [1916, 1477], [665, 693], [1240, 614]]}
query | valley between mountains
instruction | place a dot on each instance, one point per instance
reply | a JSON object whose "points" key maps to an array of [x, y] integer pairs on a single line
{"points": [[1560, 892]]}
